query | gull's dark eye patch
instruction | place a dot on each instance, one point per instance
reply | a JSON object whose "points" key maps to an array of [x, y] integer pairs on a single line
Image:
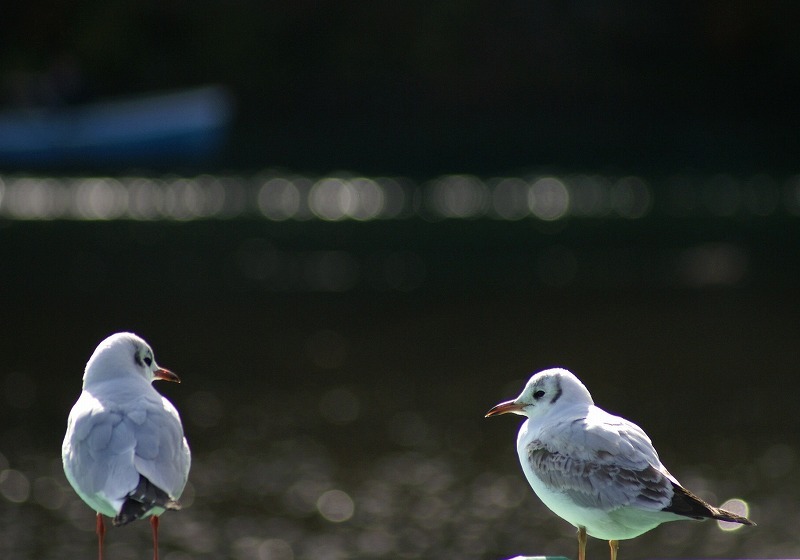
{"points": [[148, 360], [538, 394]]}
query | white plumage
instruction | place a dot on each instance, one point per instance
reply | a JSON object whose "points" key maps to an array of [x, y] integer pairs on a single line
{"points": [[124, 451], [597, 471]]}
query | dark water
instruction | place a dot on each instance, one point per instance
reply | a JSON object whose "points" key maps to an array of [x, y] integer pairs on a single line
{"points": [[335, 378]]}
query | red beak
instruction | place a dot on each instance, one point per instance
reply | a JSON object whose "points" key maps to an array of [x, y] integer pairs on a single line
{"points": [[166, 375], [505, 408]]}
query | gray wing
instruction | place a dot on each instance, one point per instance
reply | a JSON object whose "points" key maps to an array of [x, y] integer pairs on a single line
{"points": [[602, 462], [98, 454], [108, 447], [161, 454]]}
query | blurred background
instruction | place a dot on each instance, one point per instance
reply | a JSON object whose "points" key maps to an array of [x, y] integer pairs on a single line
{"points": [[352, 228]]}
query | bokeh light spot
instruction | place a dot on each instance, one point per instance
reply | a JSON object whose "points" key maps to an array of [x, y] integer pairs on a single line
{"points": [[394, 196], [184, 200], [459, 196], [279, 199], [30, 198], [510, 199], [332, 199], [99, 198], [631, 198], [145, 199], [14, 485], [737, 506], [548, 199], [336, 506], [48, 493], [370, 199]]}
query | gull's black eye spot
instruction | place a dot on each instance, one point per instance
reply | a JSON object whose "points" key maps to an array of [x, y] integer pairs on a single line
{"points": [[148, 360], [538, 394]]}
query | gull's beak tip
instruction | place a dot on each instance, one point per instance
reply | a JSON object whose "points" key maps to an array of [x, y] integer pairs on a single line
{"points": [[504, 408], [166, 375]]}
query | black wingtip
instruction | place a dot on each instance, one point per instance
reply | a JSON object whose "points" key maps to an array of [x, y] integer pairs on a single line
{"points": [[131, 511], [143, 499], [687, 504], [724, 515]]}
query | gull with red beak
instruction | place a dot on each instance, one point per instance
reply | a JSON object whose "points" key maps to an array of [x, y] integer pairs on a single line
{"points": [[595, 470], [124, 452]]}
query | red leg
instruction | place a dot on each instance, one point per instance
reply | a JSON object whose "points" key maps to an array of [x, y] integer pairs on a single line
{"points": [[154, 524], [101, 533]]}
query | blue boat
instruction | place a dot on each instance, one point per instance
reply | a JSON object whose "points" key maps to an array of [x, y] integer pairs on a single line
{"points": [[182, 127]]}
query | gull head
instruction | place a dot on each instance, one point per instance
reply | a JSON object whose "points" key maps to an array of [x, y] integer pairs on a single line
{"points": [[122, 355], [544, 392]]}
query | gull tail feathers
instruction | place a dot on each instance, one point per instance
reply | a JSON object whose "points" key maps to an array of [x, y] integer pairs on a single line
{"points": [[143, 499]]}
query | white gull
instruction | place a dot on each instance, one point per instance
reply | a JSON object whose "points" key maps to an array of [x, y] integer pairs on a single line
{"points": [[124, 452], [595, 470]]}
